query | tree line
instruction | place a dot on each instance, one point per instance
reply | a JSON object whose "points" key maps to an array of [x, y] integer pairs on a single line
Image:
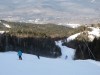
{"points": [[42, 46]]}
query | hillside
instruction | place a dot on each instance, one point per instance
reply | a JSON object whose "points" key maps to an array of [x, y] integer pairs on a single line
{"points": [[35, 30], [86, 43], [10, 65], [40, 38], [39, 30]]}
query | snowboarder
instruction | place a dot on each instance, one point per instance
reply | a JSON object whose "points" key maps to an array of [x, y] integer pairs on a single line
{"points": [[20, 54]]}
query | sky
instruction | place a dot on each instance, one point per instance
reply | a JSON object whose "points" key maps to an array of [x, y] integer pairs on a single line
{"points": [[67, 10]]}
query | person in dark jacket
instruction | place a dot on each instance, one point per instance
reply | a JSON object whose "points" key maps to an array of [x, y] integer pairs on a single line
{"points": [[66, 57], [38, 55], [20, 54]]}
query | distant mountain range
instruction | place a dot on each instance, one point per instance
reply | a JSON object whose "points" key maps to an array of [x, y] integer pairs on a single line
{"points": [[51, 11]]}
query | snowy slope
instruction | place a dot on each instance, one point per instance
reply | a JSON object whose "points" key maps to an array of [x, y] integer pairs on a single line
{"points": [[95, 31], [69, 52], [31, 65], [91, 34], [72, 37]]}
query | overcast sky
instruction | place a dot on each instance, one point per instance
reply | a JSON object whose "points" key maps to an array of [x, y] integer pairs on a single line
{"points": [[51, 8]]}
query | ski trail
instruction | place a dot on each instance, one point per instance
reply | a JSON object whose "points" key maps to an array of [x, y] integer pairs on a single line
{"points": [[69, 52]]}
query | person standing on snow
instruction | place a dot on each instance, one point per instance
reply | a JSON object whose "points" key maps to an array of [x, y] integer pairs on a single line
{"points": [[20, 54], [66, 57], [38, 54]]}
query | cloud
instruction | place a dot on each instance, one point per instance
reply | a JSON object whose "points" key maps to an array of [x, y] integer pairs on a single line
{"points": [[93, 0], [50, 8]]}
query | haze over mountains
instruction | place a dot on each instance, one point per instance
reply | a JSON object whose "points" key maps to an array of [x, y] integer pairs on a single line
{"points": [[51, 11]]}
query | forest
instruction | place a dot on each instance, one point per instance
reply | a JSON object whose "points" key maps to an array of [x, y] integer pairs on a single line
{"points": [[39, 39]]}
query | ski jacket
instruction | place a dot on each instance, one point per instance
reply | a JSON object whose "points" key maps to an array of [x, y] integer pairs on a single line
{"points": [[19, 53]]}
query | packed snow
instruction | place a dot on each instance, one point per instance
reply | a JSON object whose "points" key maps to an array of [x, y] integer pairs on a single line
{"points": [[31, 65]]}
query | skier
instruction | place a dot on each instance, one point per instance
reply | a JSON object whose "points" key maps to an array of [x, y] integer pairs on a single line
{"points": [[38, 56], [66, 57], [20, 54], [38, 53]]}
